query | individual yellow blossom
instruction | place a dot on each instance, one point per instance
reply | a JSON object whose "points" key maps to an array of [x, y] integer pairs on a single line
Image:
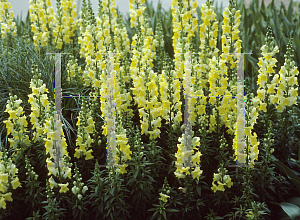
{"points": [[196, 173], [7, 196], [2, 203], [214, 187], [4, 177], [220, 187], [63, 187], [52, 182], [88, 155], [163, 197], [15, 183], [122, 169]]}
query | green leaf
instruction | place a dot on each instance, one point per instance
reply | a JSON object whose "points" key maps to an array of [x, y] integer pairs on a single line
{"points": [[296, 45], [198, 190], [290, 11], [287, 23], [252, 59], [276, 26], [112, 191], [296, 183], [290, 209], [291, 175], [135, 174], [172, 210], [298, 145], [256, 24], [164, 214], [294, 201]]}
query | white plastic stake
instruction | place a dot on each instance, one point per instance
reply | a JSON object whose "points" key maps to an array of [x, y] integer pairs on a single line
{"points": [[110, 112], [188, 149], [57, 116]]}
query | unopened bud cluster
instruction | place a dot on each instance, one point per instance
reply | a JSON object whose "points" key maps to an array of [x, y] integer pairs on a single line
{"points": [[78, 189]]}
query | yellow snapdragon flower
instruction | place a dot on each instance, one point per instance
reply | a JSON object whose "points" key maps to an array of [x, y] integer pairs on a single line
{"points": [[163, 197], [8, 27], [41, 17], [60, 167], [63, 187], [8, 179], [266, 78], [287, 90], [65, 23], [221, 180], [86, 126], [16, 126], [182, 156], [39, 105]]}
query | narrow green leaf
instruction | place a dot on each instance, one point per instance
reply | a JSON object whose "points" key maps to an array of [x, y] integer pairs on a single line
{"points": [[296, 183], [198, 190], [276, 26], [136, 173], [164, 214], [290, 209], [286, 22], [250, 58], [298, 145], [172, 210], [291, 175], [290, 11], [263, 7], [297, 45], [295, 201]]}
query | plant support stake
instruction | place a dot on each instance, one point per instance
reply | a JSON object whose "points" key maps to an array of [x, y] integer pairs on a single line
{"points": [[58, 115]]}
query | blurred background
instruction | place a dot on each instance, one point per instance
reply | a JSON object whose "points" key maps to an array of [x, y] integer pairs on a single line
{"points": [[22, 6]]}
